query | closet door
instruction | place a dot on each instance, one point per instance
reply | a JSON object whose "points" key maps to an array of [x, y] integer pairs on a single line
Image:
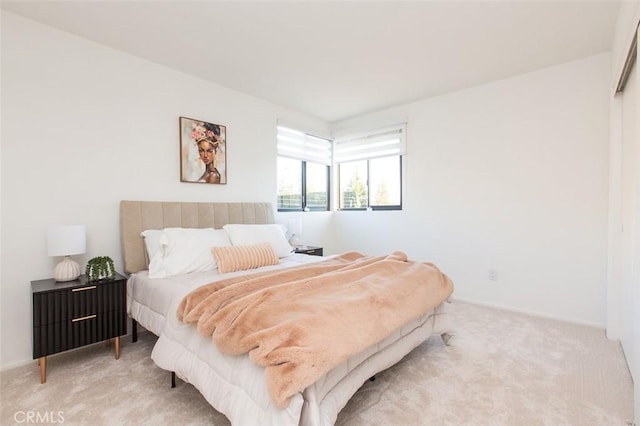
{"points": [[630, 191]]}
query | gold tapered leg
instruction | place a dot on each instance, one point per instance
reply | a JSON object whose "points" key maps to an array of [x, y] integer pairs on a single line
{"points": [[42, 362], [117, 347]]}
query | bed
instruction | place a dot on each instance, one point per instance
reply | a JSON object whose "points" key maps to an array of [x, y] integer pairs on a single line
{"points": [[234, 384]]}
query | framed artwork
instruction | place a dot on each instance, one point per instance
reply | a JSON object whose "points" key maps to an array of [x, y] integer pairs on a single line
{"points": [[203, 152]]}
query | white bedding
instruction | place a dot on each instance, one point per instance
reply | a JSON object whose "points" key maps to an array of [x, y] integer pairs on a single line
{"points": [[149, 299], [234, 385]]}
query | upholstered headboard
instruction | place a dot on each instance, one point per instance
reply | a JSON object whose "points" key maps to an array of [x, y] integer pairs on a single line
{"points": [[137, 216]]}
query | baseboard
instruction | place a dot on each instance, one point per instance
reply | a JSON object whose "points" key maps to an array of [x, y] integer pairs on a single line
{"points": [[34, 361], [19, 364]]}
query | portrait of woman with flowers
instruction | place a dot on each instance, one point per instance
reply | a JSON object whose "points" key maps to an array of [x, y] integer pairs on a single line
{"points": [[202, 151]]}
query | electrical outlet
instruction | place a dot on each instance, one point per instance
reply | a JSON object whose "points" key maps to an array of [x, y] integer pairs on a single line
{"points": [[493, 275]]}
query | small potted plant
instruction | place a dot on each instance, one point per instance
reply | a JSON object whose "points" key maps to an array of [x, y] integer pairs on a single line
{"points": [[100, 268]]}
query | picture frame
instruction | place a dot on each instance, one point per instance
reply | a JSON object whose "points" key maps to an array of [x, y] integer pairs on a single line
{"points": [[203, 152]]}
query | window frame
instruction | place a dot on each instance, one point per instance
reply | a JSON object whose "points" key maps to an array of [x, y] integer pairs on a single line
{"points": [[305, 207], [368, 178], [367, 146], [306, 148]]}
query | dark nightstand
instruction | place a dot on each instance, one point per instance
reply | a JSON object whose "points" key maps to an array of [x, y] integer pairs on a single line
{"points": [[310, 250], [67, 315]]}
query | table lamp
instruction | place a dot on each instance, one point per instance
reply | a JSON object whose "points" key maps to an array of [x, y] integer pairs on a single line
{"points": [[295, 227], [66, 241]]}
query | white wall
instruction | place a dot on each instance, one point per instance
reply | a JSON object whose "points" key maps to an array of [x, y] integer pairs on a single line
{"points": [[510, 176], [84, 126]]}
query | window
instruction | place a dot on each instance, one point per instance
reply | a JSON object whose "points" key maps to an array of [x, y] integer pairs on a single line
{"points": [[303, 171], [370, 169]]}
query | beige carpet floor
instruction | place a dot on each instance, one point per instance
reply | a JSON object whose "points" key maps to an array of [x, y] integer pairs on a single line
{"points": [[501, 368]]}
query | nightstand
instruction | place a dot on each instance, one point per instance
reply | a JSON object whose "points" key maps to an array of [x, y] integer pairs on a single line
{"points": [[71, 314], [310, 250]]}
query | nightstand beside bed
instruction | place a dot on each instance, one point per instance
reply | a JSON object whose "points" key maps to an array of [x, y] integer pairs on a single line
{"points": [[71, 314], [310, 250]]}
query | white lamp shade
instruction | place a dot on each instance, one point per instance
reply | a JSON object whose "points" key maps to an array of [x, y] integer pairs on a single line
{"points": [[295, 226], [66, 240]]}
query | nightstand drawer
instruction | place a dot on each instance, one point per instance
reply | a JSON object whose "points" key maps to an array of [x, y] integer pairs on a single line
{"points": [[68, 304], [76, 332]]}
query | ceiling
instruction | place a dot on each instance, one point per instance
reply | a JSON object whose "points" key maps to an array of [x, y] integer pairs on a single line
{"points": [[338, 59]]}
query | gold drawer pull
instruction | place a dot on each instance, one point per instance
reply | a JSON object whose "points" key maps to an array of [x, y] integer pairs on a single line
{"points": [[83, 318], [83, 288]]}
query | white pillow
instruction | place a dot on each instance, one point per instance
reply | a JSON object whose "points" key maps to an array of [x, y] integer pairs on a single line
{"points": [[187, 250], [152, 243], [246, 235]]}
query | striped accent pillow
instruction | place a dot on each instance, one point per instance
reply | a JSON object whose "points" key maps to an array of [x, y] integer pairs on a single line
{"points": [[241, 258]]}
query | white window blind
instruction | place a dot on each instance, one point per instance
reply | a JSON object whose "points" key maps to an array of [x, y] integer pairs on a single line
{"points": [[374, 144], [302, 146]]}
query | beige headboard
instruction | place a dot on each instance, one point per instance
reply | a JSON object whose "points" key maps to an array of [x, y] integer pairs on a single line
{"points": [[137, 216]]}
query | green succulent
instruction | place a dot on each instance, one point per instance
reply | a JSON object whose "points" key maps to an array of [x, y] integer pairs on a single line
{"points": [[100, 268]]}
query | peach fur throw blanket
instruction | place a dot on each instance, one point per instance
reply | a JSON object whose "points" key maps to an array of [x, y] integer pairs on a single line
{"points": [[301, 322]]}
